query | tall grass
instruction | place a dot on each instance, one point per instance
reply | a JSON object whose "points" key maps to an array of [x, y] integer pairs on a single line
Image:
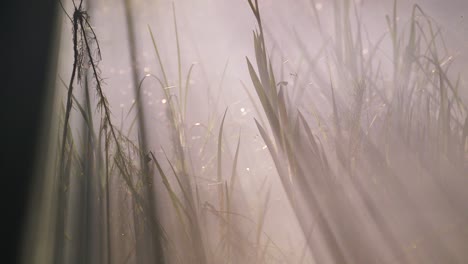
{"points": [[305, 169], [361, 169]]}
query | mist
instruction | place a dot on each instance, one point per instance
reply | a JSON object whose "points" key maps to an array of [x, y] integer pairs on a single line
{"points": [[244, 131]]}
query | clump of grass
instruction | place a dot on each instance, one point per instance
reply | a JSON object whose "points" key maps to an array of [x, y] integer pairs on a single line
{"points": [[309, 173], [192, 214]]}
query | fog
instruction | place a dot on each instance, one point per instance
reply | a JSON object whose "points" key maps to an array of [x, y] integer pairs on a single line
{"points": [[242, 132]]}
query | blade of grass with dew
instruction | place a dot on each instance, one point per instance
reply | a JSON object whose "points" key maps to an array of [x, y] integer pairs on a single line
{"points": [[219, 177], [232, 181]]}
